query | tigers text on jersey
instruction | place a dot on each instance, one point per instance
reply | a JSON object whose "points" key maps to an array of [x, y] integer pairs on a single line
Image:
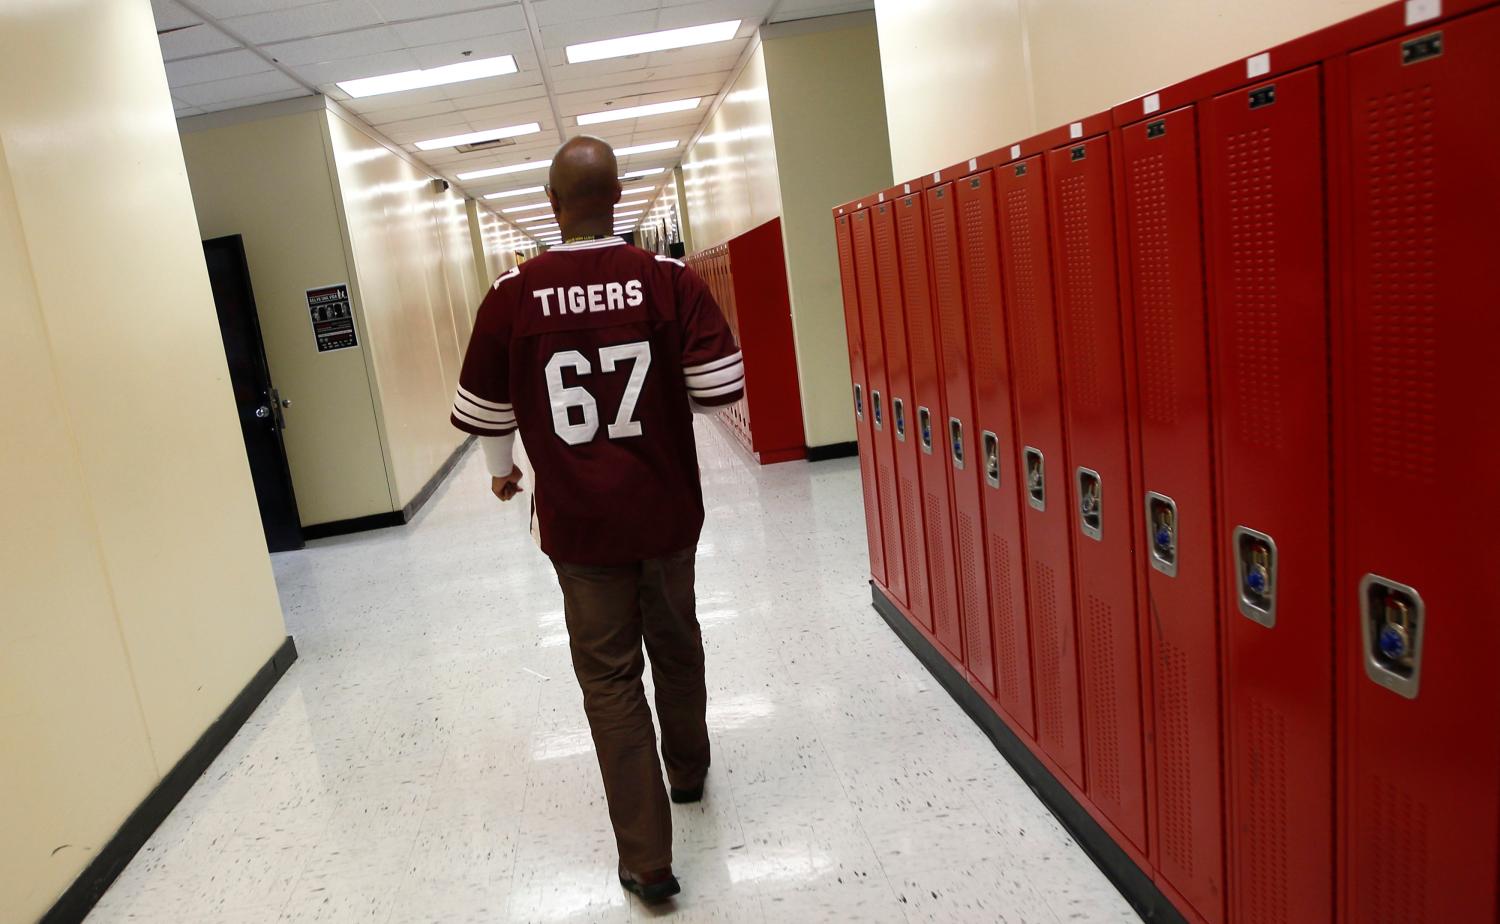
{"points": [[594, 351]]}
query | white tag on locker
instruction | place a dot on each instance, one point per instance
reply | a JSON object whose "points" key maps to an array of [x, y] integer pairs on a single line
{"points": [[937, 177], [882, 197], [1150, 104], [1015, 151], [906, 187], [973, 163], [1075, 130], [1258, 66], [1422, 10]]}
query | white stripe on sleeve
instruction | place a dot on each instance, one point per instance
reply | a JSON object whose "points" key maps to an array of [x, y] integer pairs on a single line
{"points": [[482, 424], [717, 377], [484, 403], [719, 363], [484, 415], [737, 385]]}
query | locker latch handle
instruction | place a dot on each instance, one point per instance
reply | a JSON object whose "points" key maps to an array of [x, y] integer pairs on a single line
{"points": [[1161, 532], [924, 428], [898, 415], [1392, 621], [876, 407], [1036, 478], [859, 402], [991, 459], [1255, 574], [956, 441], [1090, 503]]}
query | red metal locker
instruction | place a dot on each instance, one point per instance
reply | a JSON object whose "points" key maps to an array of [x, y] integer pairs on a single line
{"points": [[997, 539], [854, 331], [930, 412], [1263, 182], [1417, 576], [1041, 458], [958, 434], [1104, 509], [1160, 173], [902, 410], [878, 405]]}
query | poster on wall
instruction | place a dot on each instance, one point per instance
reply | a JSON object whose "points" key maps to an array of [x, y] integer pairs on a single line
{"points": [[332, 318]]}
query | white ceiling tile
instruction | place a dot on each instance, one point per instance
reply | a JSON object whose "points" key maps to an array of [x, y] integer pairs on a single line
{"points": [[305, 21], [478, 46], [750, 12], [462, 26], [354, 44], [220, 66], [171, 15], [556, 12], [592, 29], [394, 10], [329, 72], [225, 8], [193, 41], [805, 9], [200, 94]]}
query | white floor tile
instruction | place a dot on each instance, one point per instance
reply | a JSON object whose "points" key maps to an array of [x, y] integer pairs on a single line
{"points": [[428, 760]]}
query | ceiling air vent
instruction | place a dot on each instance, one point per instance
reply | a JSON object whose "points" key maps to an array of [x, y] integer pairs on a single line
{"points": [[486, 145]]}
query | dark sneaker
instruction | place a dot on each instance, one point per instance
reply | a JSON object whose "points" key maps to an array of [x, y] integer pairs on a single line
{"points": [[656, 886], [685, 796]]}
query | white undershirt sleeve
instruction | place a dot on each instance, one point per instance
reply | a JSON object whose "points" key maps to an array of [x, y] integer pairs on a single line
{"points": [[499, 453]]}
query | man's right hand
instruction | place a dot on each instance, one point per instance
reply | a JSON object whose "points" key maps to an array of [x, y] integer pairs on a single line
{"points": [[508, 486]]}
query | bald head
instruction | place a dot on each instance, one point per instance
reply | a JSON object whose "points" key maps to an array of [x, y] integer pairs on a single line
{"points": [[584, 185]]}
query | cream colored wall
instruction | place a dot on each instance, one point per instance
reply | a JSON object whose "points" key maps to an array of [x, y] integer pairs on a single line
{"points": [[824, 81], [730, 173], [967, 76], [268, 180], [124, 631], [406, 291]]}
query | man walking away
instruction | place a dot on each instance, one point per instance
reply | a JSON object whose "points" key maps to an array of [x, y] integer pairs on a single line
{"points": [[598, 352]]}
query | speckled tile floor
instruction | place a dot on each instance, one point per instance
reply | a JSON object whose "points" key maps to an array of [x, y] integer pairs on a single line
{"points": [[427, 759]]}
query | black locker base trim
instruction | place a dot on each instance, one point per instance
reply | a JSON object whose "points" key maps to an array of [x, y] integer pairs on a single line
{"points": [[113, 857], [395, 517], [1133, 882], [832, 451]]}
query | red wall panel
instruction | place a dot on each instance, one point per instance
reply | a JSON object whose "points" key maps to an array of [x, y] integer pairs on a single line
{"points": [[959, 435], [1092, 347], [1041, 459], [902, 423], [997, 539], [1416, 586], [1160, 173], [1263, 151], [854, 331]]}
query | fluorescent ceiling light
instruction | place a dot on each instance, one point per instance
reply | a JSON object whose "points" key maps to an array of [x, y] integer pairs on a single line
{"points": [[540, 227], [501, 171], [512, 193], [649, 171], [642, 149], [453, 141], [624, 214], [637, 189], [621, 205], [636, 112], [652, 41], [532, 218], [527, 208], [431, 77]]}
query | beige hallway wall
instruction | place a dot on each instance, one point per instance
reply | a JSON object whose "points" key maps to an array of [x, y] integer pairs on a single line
{"points": [[831, 145], [136, 597], [963, 77], [405, 287], [268, 180]]}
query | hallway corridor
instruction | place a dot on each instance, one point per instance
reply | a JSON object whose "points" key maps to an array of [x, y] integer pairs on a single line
{"points": [[427, 759]]}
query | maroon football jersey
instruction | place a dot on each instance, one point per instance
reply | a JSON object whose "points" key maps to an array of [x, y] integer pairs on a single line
{"points": [[594, 351]]}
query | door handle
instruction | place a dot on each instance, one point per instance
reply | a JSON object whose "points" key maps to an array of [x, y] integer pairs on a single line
{"points": [[262, 412]]}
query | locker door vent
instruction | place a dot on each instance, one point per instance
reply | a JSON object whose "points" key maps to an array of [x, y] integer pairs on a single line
{"points": [[888, 521], [1153, 249], [1401, 374], [1049, 652], [1004, 615], [919, 328], [1253, 287], [1028, 353], [877, 555], [1078, 287], [950, 308], [1394, 836], [937, 552], [1174, 760], [980, 659], [1266, 824], [916, 563], [1100, 684], [983, 312]]}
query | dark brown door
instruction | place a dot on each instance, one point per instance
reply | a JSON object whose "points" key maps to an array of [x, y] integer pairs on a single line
{"points": [[259, 405]]}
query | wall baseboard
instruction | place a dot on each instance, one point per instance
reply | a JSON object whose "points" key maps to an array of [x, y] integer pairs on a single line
{"points": [[832, 451], [393, 517], [113, 857], [1133, 882]]}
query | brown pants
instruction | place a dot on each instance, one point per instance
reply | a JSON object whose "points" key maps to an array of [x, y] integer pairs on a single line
{"points": [[609, 611]]}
